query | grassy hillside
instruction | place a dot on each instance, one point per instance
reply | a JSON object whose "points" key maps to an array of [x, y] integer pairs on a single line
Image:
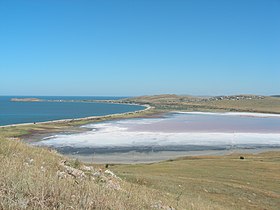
{"points": [[243, 103], [218, 182], [34, 178]]}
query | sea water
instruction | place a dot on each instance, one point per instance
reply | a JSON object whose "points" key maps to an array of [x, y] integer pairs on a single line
{"points": [[29, 112]]}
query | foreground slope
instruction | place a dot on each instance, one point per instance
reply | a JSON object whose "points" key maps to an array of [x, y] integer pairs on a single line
{"points": [[34, 178], [226, 181], [30, 178]]}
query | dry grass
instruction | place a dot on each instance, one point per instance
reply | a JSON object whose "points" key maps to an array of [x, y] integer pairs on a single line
{"points": [[268, 104], [189, 103], [224, 182], [28, 180]]}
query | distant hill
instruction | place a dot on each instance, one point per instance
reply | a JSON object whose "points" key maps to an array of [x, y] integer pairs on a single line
{"points": [[233, 103], [275, 96], [25, 99]]}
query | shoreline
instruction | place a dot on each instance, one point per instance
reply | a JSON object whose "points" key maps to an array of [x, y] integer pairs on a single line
{"points": [[133, 157], [70, 120], [150, 153]]}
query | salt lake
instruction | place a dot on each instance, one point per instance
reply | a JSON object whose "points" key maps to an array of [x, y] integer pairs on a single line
{"points": [[174, 133]]}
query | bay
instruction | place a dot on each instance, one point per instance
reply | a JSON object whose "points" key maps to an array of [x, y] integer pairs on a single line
{"points": [[29, 112]]}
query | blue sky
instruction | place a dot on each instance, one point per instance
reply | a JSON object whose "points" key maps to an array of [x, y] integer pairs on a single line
{"points": [[126, 48]]}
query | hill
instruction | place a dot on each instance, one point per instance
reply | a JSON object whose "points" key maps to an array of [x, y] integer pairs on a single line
{"points": [[221, 182], [238, 103], [26, 99], [39, 178]]}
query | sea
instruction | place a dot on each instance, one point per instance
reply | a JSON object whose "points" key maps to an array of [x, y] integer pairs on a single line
{"points": [[30, 112]]}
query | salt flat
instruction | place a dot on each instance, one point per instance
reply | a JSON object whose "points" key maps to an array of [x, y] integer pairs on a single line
{"points": [[175, 129]]}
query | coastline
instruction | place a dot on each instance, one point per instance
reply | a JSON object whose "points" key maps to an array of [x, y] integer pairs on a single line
{"points": [[35, 132], [69, 120]]}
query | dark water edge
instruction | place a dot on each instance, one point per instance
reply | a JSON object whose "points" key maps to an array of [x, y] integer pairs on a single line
{"points": [[151, 156], [147, 149], [30, 112]]}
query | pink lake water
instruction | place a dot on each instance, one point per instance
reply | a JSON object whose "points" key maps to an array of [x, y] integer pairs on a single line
{"points": [[208, 123], [173, 132]]}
